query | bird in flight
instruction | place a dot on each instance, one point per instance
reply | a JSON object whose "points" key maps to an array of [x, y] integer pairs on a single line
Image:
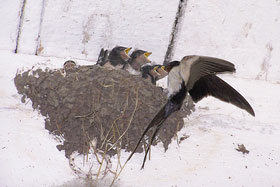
{"points": [[196, 76]]}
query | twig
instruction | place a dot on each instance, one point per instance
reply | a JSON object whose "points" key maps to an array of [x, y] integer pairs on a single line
{"points": [[136, 105], [58, 128], [103, 158], [177, 138], [87, 115], [113, 125], [132, 116]]}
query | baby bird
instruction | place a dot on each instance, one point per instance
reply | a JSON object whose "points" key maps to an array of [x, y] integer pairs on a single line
{"points": [[153, 72], [117, 58]]}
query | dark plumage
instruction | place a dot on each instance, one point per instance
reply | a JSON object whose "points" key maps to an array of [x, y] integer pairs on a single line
{"points": [[117, 58], [212, 85], [103, 57]]}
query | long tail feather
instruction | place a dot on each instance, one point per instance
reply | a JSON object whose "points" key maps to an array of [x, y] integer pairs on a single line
{"points": [[156, 119], [152, 139], [173, 104]]}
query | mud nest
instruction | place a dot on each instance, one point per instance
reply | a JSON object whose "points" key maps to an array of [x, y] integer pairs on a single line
{"points": [[94, 105]]}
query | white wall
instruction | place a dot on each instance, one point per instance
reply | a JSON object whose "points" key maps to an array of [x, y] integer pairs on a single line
{"points": [[81, 28], [244, 32], [9, 14], [28, 40]]}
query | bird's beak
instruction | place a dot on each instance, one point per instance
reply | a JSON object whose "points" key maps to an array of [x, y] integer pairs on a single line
{"points": [[127, 50], [147, 54], [164, 68], [155, 70]]}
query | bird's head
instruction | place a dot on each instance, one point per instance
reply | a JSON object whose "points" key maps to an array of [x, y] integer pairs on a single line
{"points": [[170, 65], [120, 51], [140, 56], [69, 64]]}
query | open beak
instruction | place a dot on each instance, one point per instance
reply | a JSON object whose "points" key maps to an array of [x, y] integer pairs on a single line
{"points": [[156, 70], [163, 68], [166, 68], [147, 54], [127, 50]]}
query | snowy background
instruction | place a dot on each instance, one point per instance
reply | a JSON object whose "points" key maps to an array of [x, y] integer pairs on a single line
{"points": [[44, 33]]}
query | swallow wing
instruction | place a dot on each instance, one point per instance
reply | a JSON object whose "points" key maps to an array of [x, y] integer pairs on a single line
{"points": [[216, 87], [200, 66]]}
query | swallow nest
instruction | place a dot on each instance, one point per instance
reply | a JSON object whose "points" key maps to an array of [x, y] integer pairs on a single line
{"points": [[94, 107]]}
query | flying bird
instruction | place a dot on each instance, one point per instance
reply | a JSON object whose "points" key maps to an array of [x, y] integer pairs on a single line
{"points": [[118, 57], [195, 75]]}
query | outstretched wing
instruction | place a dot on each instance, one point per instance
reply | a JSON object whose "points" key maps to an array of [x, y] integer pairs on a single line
{"points": [[200, 66], [216, 87]]}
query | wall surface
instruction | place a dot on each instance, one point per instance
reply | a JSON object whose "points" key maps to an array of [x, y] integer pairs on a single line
{"points": [[9, 14], [244, 32], [43, 33]]}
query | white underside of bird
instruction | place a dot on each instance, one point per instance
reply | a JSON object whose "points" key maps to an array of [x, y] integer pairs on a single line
{"points": [[179, 74]]}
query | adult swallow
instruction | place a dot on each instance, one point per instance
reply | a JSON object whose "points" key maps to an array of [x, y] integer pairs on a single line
{"points": [[195, 75]]}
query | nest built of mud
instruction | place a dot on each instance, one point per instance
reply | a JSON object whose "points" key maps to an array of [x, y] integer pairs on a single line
{"points": [[94, 106]]}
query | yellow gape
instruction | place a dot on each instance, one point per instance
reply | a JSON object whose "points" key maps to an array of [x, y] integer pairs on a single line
{"points": [[147, 54], [156, 70], [127, 50]]}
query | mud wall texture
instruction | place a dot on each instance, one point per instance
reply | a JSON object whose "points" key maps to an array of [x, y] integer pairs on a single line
{"points": [[94, 106], [244, 32]]}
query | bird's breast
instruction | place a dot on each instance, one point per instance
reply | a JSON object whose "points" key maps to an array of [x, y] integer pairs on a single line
{"points": [[174, 81]]}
